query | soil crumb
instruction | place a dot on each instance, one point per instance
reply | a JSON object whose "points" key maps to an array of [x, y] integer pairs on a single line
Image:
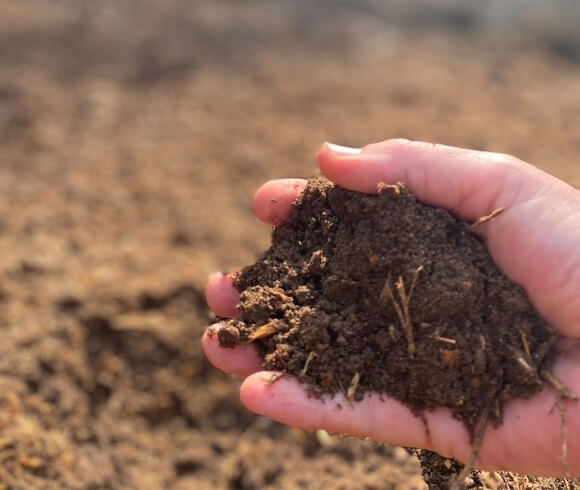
{"points": [[440, 473], [380, 293]]}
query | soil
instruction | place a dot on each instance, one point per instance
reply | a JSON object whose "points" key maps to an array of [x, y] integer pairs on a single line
{"points": [[440, 473], [361, 293], [380, 293], [132, 135]]}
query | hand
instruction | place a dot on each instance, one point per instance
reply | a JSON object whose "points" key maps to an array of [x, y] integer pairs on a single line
{"points": [[536, 242]]}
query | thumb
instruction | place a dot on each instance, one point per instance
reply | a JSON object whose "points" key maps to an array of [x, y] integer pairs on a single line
{"points": [[468, 183]]}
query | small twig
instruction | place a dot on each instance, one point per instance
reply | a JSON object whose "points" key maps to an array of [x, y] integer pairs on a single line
{"points": [[353, 386], [558, 385], [311, 356], [443, 339], [522, 362], [414, 282], [525, 343], [387, 291], [489, 217]]}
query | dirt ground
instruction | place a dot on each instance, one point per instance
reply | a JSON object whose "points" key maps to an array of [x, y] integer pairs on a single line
{"points": [[132, 137]]}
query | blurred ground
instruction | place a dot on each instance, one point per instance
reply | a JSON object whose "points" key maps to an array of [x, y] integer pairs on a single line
{"points": [[132, 136]]}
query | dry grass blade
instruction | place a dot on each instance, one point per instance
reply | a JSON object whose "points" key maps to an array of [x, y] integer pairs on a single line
{"points": [[407, 325], [388, 293], [414, 282], [526, 344], [264, 331], [353, 386], [402, 305], [489, 217], [444, 339], [523, 363]]}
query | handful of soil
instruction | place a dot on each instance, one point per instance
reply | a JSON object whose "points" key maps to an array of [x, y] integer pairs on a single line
{"points": [[380, 293]]}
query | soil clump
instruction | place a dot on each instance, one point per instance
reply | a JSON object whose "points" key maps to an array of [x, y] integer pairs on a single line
{"points": [[380, 293]]}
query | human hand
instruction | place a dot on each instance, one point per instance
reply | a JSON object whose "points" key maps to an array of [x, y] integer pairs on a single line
{"points": [[535, 241]]}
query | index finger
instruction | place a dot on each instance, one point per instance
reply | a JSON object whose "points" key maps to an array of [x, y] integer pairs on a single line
{"points": [[273, 201]]}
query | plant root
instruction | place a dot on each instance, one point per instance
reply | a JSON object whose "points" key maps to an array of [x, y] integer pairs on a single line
{"points": [[562, 393], [312, 355], [479, 434]]}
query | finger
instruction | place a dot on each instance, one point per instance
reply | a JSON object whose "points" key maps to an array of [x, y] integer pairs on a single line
{"points": [[469, 183], [221, 295], [287, 401], [242, 360], [273, 201], [517, 444]]}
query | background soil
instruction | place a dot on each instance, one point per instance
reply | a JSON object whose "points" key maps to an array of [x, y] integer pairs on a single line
{"points": [[132, 136]]}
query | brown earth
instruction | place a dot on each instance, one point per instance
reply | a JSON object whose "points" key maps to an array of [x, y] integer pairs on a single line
{"points": [[131, 140], [361, 294], [364, 294]]}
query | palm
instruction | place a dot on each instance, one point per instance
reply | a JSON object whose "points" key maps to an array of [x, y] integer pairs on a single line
{"points": [[535, 241]]}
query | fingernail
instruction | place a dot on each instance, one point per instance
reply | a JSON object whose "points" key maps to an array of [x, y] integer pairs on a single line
{"points": [[343, 150]]}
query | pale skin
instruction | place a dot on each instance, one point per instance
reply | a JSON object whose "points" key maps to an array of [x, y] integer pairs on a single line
{"points": [[535, 241]]}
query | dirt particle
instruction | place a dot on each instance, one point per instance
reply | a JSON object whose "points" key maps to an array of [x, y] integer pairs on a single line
{"points": [[228, 336], [449, 357]]}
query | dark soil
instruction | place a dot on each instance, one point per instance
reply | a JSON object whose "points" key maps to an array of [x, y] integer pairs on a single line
{"points": [[440, 473], [362, 293]]}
